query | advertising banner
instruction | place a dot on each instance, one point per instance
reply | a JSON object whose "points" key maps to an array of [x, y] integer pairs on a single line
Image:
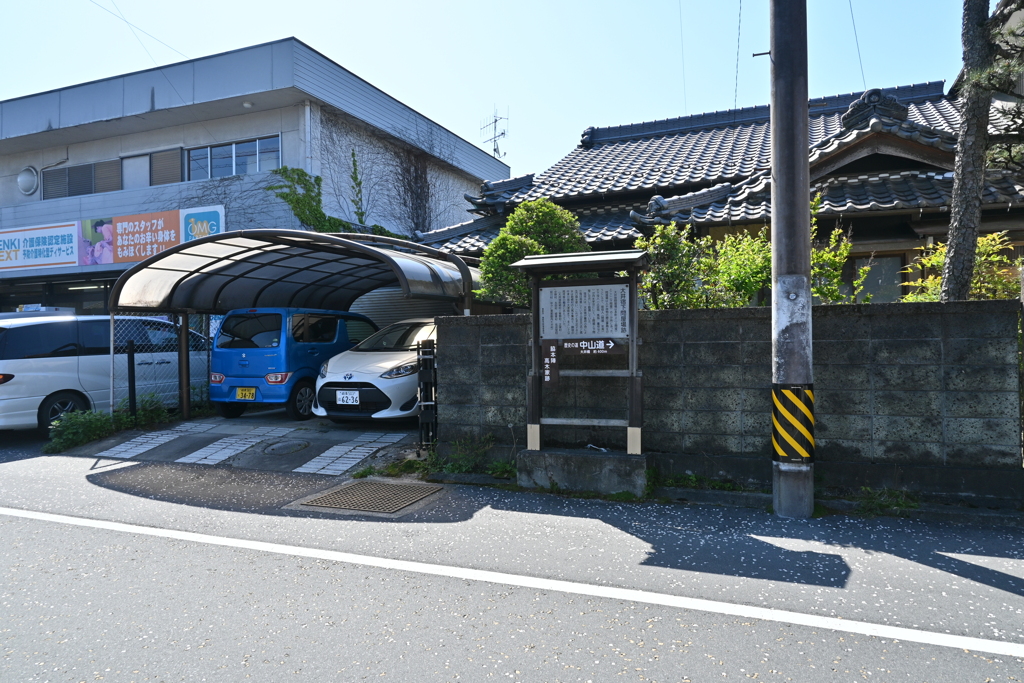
{"points": [[144, 235], [40, 246], [104, 241], [201, 222]]}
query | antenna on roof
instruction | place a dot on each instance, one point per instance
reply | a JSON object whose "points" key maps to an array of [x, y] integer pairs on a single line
{"points": [[495, 133]]}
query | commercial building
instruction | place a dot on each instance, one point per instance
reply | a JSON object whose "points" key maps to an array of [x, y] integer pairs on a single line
{"points": [[98, 176]]}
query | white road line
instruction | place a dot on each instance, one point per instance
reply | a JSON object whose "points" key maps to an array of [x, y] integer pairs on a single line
{"points": [[997, 647], [343, 457]]}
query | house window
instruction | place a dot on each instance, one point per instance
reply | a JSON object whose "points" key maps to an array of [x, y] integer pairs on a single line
{"points": [[885, 280], [74, 181], [238, 158]]}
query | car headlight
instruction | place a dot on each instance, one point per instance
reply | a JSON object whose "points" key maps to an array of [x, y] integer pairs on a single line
{"points": [[401, 371], [323, 371]]}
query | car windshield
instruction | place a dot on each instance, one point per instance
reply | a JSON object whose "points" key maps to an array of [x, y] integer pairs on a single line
{"points": [[398, 337], [250, 331]]}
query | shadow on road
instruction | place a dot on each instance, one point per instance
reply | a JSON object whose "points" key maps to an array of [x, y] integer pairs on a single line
{"points": [[714, 540]]}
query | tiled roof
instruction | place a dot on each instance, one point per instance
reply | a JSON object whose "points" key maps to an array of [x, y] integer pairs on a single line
{"points": [[472, 237], [494, 193], [662, 156], [750, 201], [469, 238], [908, 130], [677, 154]]}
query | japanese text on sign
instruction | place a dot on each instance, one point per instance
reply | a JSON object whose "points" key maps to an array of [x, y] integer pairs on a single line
{"points": [[47, 245], [594, 347], [549, 361], [145, 235], [586, 312]]}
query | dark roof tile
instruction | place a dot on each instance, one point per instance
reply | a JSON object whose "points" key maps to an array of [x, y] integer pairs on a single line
{"points": [[751, 201]]}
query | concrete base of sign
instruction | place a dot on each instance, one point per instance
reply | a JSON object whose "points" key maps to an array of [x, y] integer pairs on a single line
{"points": [[579, 470]]}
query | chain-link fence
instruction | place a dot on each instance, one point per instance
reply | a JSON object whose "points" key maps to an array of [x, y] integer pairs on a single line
{"points": [[151, 357]]}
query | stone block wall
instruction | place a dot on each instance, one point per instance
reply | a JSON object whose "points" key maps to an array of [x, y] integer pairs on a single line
{"points": [[922, 396]]}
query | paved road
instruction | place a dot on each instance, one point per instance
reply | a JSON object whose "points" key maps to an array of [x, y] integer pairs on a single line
{"points": [[143, 602]]}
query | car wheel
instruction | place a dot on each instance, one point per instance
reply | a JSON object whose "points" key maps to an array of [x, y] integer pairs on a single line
{"points": [[229, 410], [56, 405], [300, 402]]}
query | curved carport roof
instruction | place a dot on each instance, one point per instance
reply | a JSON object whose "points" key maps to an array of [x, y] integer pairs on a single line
{"points": [[287, 268]]}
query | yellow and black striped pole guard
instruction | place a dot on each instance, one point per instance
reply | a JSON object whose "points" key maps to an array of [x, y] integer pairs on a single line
{"points": [[793, 423]]}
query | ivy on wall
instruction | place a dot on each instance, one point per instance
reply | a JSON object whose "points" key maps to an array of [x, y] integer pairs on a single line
{"points": [[303, 193]]}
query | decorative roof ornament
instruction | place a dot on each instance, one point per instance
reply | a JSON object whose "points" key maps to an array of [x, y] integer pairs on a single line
{"points": [[587, 139], [874, 104]]}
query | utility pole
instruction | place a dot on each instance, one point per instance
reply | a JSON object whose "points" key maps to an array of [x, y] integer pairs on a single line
{"points": [[792, 373]]}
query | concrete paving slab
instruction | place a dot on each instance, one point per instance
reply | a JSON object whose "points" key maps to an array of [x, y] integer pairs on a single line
{"points": [[183, 445]]}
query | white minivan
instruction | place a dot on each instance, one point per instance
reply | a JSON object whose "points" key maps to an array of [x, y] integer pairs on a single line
{"points": [[51, 364]]}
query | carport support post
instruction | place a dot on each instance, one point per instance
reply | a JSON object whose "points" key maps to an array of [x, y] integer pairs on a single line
{"points": [[184, 371], [792, 374]]}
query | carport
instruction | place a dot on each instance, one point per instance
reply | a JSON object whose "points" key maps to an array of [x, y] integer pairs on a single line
{"points": [[287, 269]]}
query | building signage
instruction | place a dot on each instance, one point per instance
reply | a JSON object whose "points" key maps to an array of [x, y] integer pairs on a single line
{"points": [[584, 312], [594, 347], [108, 240], [202, 222], [40, 246]]}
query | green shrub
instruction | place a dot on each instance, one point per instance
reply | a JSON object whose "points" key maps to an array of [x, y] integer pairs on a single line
{"points": [[884, 501], [503, 469], [537, 227], [688, 271], [150, 411], [466, 455], [77, 428], [85, 426], [400, 467], [995, 273], [367, 471]]}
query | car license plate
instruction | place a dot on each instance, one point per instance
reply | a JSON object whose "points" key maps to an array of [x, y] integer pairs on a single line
{"points": [[347, 398], [245, 393]]}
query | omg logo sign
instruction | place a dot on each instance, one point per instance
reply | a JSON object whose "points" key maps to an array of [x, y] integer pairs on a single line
{"points": [[201, 222]]}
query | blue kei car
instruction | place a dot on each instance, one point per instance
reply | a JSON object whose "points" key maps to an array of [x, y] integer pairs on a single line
{"points": [[273, 355]]}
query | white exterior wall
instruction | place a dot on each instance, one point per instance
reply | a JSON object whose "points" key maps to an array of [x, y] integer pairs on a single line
{"points": [[288, 122], [381, 159]]}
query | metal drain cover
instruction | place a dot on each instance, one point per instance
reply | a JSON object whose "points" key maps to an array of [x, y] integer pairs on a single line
{"points": [[374, 496]]}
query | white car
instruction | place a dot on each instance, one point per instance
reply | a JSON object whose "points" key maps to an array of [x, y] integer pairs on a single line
{"points": [[51, 364], [376, 378]]}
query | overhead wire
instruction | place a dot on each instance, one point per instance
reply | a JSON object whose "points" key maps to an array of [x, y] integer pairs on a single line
{"points": [[682, 56], [856, 41], [134, 27], [736, 87]]}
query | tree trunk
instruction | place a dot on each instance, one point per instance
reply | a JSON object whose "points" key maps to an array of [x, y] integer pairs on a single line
{"points": [[969, 173]]}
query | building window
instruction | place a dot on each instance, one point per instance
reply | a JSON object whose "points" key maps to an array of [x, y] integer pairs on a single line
{"points": [[74, 181], [238, 158]]}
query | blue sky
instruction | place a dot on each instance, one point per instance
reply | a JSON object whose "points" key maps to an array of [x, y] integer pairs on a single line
{"points": [[555, 67]]}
